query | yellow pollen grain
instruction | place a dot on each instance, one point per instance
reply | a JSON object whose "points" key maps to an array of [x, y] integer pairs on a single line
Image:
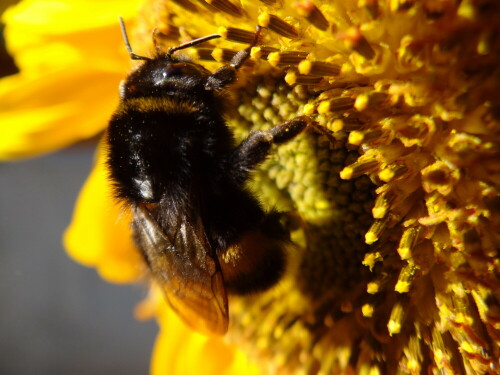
{"points": [[361, 102], [379, 212], [273, 58], [291, 78], [467, 10], [346, 173], [372, 287], [393, 327], [337, 125], [467, 347], [305, 67], [218, 54], [371, 258], [402, 287], [256, 52], [386, 174], [356, 138], [322, 204], [367, 310], [309, 109], [324, 107]]}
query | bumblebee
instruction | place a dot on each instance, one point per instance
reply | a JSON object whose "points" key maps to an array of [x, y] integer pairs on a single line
{"points": [[175, 162]]}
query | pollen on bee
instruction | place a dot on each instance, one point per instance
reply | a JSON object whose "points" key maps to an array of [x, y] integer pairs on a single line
{"points": [[277, 25], [231, 255]]}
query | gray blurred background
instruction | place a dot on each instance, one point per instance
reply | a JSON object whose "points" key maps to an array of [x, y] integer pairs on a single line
{"points": [[56, 316]]}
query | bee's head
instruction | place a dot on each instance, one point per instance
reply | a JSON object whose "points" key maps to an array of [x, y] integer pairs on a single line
{"points": [[163, 75]]}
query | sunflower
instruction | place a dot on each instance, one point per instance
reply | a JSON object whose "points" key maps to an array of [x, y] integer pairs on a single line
{"points": [[396, 267]]}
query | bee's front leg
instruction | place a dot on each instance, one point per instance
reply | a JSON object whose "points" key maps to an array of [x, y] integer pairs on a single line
{"points": [[227, 74]]}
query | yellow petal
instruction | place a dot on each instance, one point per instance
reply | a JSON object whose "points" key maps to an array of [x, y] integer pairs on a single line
{"points": [[46, 35], [41, 114], [72, 57], [180, 350], [99, 235]]}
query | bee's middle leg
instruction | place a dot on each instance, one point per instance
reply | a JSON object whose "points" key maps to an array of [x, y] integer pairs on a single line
{"points": [[255, 148]]}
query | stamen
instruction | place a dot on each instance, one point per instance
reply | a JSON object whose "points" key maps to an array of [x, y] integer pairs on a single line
{"points": [[371, 6], [383, 204], [186, 4], [408, 242], [397, 317], [347, 124], [293, 78], [204, 54], [223, 54], [393, 172], [376, 230], [359, 168], [227, 7], [356, 41], [168, 31], [286, 58], [262, 52], [277, 25], [318, 68], [237, 35], [341, 103], [310, 12], [357, 137], [406, 277], [372, 100]]}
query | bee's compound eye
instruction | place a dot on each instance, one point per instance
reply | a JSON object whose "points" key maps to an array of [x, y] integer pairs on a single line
{"points": [[173, 70]]}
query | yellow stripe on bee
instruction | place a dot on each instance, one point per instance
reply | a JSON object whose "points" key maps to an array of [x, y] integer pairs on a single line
{"points": [[167, 105]]}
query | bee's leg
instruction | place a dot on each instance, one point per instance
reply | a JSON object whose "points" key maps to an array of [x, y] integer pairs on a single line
{"points": [[227, 74], [255, 148]]}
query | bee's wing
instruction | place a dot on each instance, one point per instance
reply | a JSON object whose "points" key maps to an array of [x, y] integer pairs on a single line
{"points": [[181, 263]]}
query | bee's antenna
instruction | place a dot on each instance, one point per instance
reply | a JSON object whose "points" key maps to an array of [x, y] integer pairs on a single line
{"points": [[133, 56], [191, 43]]}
